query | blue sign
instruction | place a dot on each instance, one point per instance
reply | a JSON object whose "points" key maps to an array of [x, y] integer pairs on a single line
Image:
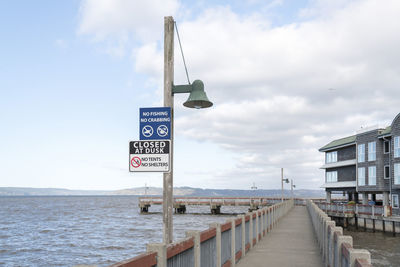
{"points": [[155, 123]]}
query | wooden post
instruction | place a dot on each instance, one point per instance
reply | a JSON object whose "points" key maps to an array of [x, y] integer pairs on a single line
{"points": [[168, 102], [373, 225], [394, 228]]}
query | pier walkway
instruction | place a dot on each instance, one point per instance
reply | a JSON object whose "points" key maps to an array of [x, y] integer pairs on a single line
{"points": [[291, 243], [283, 234]]}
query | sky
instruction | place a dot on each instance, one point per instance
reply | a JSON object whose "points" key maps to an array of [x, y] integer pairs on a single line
{"points": [[286, 78]]}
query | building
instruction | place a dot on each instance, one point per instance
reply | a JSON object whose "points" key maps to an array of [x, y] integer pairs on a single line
{"points": [[366, 164]]}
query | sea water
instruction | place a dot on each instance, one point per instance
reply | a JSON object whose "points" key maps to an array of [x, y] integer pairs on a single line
{"points": [[93, 230], [102, 230]]}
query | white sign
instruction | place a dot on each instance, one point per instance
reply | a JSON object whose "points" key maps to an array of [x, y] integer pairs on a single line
{"points": [[149, 156]]}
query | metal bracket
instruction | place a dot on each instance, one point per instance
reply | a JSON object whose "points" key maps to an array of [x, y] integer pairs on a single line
{"points": [[179, 89]]}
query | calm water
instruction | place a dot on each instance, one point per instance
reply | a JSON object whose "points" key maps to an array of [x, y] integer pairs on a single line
{"points": [[101, 230], [98, 230], [384, 248]]}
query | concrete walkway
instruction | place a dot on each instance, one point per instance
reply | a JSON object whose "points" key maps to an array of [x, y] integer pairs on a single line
{"points": [[291, 243]]}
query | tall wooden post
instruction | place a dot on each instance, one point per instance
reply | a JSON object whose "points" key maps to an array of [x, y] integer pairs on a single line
{"points": [[168, 102]]}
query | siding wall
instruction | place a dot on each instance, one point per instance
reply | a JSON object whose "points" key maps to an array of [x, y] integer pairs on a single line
{"points": [[381, 184], [346, 153], [395, 132], [396, 211], [347, 173]]}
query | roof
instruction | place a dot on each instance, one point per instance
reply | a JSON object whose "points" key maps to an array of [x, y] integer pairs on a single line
{"points": [[339, 142], [386, 131]]}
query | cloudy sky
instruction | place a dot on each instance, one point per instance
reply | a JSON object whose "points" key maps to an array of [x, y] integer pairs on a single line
{"points": [[286, 77]]}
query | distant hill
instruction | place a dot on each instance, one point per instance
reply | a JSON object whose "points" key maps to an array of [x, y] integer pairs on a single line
{"points": [[28, 191], [156, 191]]}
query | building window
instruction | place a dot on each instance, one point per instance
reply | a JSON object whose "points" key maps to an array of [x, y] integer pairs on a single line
{"points": [[397, 173], [387, 172], [372, 151], [397, 146], [395, 201], [372, 175], [331, 157], [361, 153], [361, 176], [331, 177], [386, 147]]}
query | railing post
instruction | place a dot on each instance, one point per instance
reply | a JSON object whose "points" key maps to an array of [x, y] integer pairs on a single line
{"points": [[270, 218], [273, 216], [385, 211], [233, 242], [250, 229], [243, 235], [335, 231], [341, 240], [326, 238], [279, 208], [161, 250], [323, 219], [196, 235], [358, 254], [217, 227], [257, 228], [262, 222]]}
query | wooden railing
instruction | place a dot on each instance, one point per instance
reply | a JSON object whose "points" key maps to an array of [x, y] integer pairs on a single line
{"points": [[219, 245], [352, 209], [336, 248]]}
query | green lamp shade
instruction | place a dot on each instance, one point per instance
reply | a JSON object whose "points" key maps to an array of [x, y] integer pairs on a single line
{"points": [[198, 98]]}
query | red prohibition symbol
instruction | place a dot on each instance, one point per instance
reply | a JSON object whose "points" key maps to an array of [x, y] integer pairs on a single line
{"points": [[136, 162]]}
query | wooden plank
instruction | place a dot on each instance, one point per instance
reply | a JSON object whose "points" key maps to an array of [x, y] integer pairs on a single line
{"points": [[142, 260], [174, 249], [227, 264], [238, 221], [238, 255], [226, 227], [207, 234]]}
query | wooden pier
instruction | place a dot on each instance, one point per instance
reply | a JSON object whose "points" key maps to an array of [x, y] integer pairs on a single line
{"points": [[215, 203], [283, 234], [373, 217]]}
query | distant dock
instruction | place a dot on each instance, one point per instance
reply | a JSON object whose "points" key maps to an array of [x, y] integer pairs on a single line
{"points": [[215, 203]]}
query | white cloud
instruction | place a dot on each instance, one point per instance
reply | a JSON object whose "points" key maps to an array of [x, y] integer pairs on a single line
{"points": [[119, 17], [271, 86], [118, 23]]}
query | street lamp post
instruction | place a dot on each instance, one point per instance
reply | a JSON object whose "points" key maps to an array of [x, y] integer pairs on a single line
{"points": [[197, 99], [292, 186], [286, 180]]}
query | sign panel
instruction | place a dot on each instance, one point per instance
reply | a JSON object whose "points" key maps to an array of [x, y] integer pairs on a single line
{"points": [[155, 123], [149, 156]]}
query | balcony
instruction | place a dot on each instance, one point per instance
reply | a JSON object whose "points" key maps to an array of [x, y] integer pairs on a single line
{"points": [[339, 184], [339, 164]]}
